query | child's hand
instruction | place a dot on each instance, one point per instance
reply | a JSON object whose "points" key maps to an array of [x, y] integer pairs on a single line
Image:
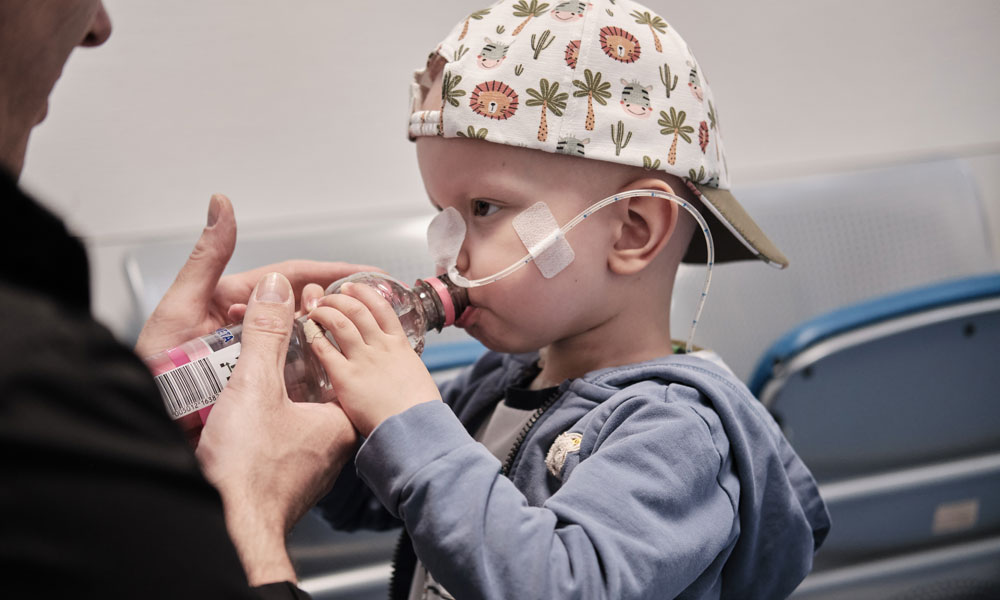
{"points": [[376, 373]]}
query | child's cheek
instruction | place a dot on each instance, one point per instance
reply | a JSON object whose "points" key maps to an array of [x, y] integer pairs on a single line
{"points": [[489, 256]]}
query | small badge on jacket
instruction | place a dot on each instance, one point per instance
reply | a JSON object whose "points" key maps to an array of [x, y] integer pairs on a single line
{"points": [[565, 443]]}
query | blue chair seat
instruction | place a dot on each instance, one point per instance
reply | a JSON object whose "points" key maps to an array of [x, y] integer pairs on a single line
{"points": [[890, 383]]}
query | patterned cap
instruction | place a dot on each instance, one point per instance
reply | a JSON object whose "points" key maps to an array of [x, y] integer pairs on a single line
{"points": [[604, 79]]}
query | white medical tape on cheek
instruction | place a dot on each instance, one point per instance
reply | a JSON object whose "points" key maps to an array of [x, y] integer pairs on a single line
{"points": [[541, 235], [445, 236]]}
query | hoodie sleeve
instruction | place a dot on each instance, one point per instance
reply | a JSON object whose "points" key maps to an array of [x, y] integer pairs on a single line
{"points": [[350, 505], [644, 516]]}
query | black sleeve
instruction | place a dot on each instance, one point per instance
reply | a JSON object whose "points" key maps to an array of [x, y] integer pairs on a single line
{"points": [[100, 496], [277, 591]]}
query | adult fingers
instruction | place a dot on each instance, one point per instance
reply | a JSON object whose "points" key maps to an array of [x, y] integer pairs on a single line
{"points": [[310, 299], [198, 277], [267, 327]]}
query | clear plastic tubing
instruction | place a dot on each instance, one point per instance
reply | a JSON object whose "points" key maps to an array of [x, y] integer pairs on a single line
{"points": [[709, 244]]}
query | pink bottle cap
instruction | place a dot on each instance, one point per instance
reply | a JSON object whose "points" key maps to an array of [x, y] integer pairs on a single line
{"points": [[442, 292]]}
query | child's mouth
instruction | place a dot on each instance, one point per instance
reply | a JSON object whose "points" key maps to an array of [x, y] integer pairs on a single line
{"points": [[466, 317]]}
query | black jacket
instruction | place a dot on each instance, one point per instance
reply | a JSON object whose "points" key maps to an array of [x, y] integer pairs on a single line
{"points": [[100, 496]]}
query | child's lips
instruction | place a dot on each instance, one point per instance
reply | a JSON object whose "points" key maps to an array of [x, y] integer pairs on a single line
{"points": [[468, 315]]}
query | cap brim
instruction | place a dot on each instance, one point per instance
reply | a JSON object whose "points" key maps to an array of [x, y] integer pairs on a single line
{"points": [[735, 234]]}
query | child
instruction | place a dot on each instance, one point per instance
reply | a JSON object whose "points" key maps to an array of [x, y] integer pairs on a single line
{"points": [[584, 456]]}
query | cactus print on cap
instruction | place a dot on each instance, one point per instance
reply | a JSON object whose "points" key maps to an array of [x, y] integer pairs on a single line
{"points": [[596, 79], [545, 73]]}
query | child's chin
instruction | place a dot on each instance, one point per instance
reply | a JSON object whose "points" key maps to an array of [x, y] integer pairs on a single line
{"points": [[504, 346], [480, 336]]}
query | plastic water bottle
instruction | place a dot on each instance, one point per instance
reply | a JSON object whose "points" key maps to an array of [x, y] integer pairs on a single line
{"points": [[191, 376]]}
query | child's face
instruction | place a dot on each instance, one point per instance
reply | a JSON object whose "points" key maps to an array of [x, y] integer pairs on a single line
{"points": [[489, 184]]}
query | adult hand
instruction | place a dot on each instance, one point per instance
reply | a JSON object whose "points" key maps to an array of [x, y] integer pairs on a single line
{"points": [[375, 373], [270, 458], [199, 302]]}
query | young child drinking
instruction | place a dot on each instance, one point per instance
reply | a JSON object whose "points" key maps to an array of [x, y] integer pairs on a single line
{"points": [[585, 455]]}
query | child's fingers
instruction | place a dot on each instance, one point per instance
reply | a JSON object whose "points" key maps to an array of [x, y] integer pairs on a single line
{"points": [[332, 359], [380, 308], [343, 330], [311, 294], [358, 313]]}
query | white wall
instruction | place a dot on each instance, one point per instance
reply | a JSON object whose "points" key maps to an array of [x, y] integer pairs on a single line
{"points": [[297, 110]]}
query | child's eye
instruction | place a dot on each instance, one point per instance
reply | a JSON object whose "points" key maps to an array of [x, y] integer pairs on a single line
{"points": [[482, 208]]}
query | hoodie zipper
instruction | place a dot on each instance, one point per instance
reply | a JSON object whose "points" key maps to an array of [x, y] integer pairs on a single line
{"points": [[523, 435], [395, 584]]}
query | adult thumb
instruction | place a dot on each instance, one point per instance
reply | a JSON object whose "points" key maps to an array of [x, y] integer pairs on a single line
{"points": [[267, 328], [198, 277]]}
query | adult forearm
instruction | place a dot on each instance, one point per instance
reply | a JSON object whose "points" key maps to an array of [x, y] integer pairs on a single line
{"points": [[260, 546]]}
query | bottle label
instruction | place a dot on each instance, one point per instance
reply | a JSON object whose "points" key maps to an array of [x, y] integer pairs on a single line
{"points": [[195, 385]]}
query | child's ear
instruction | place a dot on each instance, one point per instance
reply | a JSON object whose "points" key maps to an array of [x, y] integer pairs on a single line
{"points": [[644, 226]]}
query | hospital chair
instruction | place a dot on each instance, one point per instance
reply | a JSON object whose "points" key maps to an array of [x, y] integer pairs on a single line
{"points": [[884, 337], [901, 380], [893, 405], [849, 237]]}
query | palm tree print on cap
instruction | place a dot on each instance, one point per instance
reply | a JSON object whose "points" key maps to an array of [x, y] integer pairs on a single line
{"points": [[594, 89], [548, 97], [494, 100], [449, 89], [712, 126], [673, 124], [620, 44], [655, 24], [478, 15], [529, 11], [473, 133]]}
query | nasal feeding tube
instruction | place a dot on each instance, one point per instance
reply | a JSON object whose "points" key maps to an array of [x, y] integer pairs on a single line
{"points": [[447, 232]]}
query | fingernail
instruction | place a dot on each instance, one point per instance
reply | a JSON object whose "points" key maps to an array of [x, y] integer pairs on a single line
{"points": [[312, 304], [214, 208], [273, 288]]}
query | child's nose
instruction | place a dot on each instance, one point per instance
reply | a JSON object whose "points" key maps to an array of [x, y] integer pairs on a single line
{"points": [[462, 263]]}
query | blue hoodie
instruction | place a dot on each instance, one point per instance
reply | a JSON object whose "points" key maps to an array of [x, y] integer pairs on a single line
{"points": [[680, 485]]}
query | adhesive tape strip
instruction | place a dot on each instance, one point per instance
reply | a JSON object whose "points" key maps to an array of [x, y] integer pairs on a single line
{"points": [[541, 235]]}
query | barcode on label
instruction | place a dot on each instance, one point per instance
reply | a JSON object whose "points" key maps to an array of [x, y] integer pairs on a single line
{"points": [[190, 387]]}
